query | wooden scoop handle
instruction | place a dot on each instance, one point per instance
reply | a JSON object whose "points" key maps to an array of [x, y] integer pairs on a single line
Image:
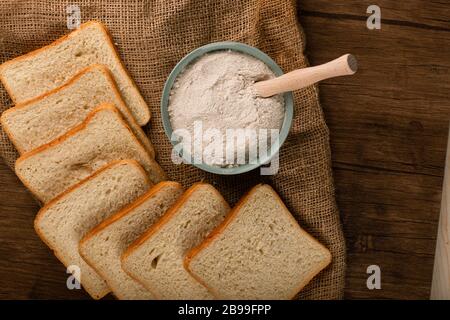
{"points": [[301, 78]]}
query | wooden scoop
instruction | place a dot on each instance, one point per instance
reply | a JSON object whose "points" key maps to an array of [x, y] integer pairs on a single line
{"points": [[301, 78]]}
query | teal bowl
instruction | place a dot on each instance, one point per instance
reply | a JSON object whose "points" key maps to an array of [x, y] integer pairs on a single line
{"points": [[239, 47]]}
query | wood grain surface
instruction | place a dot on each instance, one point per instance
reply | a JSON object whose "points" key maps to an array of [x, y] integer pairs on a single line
{"points": [[440, 288], [388, 127]]}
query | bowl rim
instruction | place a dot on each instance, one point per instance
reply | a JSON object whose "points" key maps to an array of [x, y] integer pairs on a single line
{"points": [[242, 48]]}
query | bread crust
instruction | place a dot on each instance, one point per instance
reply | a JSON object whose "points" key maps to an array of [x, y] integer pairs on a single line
{"points": [[119, 215], [70, 133], [44, 209], [62, 39], [102, 68], [225, 223], [8, 132], [164, 220], [127, 209]]}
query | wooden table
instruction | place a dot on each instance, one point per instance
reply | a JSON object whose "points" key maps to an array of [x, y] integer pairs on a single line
{"points": [[388, 127]]}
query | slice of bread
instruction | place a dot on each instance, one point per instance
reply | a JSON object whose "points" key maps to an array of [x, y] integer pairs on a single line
{"points": [[156, 259], [44, 69], [258, 252], [50, 115], [65, 220], [52, 168], [104, 245]]}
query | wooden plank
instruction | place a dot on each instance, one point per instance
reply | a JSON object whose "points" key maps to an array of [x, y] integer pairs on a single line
{"points": [[394, 283], [440, 289], [384, 229], [426, 14], [394, 111], [388, 127]]}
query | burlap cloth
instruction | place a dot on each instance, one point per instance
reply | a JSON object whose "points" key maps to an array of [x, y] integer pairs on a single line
{"points": [[152, 36]]}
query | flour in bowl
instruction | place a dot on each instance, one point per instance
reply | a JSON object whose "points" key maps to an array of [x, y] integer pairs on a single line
{"points": [[213, 95]]}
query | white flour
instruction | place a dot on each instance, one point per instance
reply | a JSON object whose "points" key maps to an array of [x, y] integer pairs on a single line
{"points": [[217, 90]]}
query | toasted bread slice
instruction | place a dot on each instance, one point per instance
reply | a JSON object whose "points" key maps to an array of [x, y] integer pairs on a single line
{"points": [[103, 247], [156, 259], [64, 221], [258, 252], [52, 114], [31, 75], [103, 137]]}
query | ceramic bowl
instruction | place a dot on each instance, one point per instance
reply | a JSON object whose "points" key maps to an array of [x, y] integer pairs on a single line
{"points": [[239, 47]]}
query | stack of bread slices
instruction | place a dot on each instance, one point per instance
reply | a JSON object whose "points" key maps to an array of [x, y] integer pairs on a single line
{"points": [[108, 211], [76, 110]]}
